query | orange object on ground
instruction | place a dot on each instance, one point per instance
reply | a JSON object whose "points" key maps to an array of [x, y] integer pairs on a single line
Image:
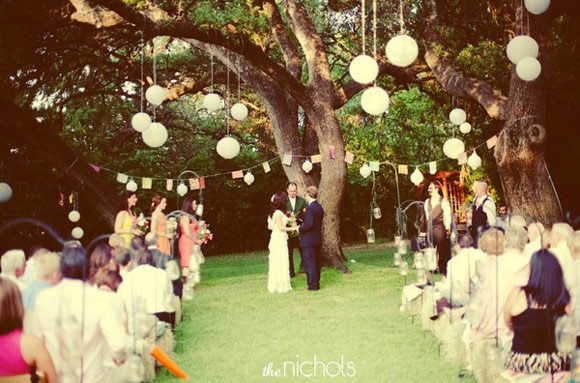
{"points": [[165, 360]]}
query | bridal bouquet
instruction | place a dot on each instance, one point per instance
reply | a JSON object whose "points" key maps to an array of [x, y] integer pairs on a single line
{"points": [[204, 234], [171, 226], [292, 221]]}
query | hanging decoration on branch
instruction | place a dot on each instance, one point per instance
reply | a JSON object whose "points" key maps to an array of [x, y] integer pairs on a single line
{"points": [[402, 50], [141, 121], [228, 147], [453, 147], [212, 101], [155, 95], [417, 176], [77, 232], [521, 47], [465, 128], [239, 111], [249, 178], [457, 116], [363, 69], [307, 166], [523, 50], [474, 161], [155, 136], [131, 186], [5, 192], [181, 189], [537, 7], [74, 215]]}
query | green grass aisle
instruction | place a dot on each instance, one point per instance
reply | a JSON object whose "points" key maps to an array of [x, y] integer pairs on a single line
{"points": [[233, 328]]}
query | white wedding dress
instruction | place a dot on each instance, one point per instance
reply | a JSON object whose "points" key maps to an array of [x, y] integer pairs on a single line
{"points": [[278, 264]]}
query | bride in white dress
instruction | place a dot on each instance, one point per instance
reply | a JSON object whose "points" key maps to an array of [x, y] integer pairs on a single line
{"points": [[278, 264]]}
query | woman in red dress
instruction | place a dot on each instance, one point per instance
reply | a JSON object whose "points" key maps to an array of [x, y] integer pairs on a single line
{"points": [[188, 240]]}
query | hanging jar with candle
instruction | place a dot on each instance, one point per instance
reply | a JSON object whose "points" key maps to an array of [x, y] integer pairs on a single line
{"points": [[421, 277], [403, 268], [418, 260], [370, 235], [377, 212], [430, 259], [397, 259], [402, 247]]}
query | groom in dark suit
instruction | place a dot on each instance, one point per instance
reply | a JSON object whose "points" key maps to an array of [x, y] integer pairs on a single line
{"points": [[311, 239], [295, 205]]}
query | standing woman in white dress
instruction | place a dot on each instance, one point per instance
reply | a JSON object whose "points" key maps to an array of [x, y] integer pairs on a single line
{"points": [[278, 264]]}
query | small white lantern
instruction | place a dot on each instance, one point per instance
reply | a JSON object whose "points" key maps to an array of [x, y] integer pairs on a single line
{"points": [[363, 69], [212, 102], [365, 171], [370, 235], [155, 94], [249, 178], [465, 128], [521, 47], [430, 258], [141, 121], [239, 111], [228, 147], [5, 192], [77, 233], [307, 166], [402, 50], [457, 116], [131, 186], [375, 101], [181, 189], [403, 268], [417, 176], [453, 147], [537, 7], [474, 161], [74, 216], [528, 69], [155, 136], [377, 212]]}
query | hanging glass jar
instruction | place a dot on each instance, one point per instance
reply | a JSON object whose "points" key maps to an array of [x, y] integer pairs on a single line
{"points": [[397, 259], [371, 236], [430, 259], [402, 247], [397, 240], [403, 268], [418, 260], [377, 212], [421, 277]]}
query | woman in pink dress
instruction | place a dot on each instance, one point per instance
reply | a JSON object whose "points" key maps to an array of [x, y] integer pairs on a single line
{"points": [[188, 242]]}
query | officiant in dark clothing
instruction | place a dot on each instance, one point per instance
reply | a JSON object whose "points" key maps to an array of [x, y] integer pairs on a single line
{"points": [[296, 206]]}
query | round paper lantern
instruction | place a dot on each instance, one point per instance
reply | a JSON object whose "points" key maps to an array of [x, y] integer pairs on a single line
{"points": [[453, 147], [155, 136], [474, 161], [375, 101], [365, 171], [465, 128], [239, 111], [228, 147], [77, 233], [528, 69], [457, 116], [537, 7], [363, 69], [141, 121], [521, 47], [402, 50], [212, 102], [74, 216], [417, 176], [307, 166], [249, 178], [131, 186], [155, 94], [181, 189], [5, 192]]}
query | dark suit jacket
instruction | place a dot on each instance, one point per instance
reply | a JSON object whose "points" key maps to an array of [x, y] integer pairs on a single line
{"points": [[311, 229], [298, 207]]}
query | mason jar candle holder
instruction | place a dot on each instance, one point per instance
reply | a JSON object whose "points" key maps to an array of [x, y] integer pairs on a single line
{"points": [[370, 235]]}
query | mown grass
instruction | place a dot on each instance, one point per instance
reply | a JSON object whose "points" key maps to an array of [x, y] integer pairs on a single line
{"points": [[233, 328]]}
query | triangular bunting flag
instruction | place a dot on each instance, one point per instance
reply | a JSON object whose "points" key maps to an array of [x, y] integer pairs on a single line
{"points": [[122, 178], [349, 158], [316, 159], [403, 169], [146, 183], [433, 167], [202, 182], [95, 167], [491, 142], [266, 166], [462, 159], [238, 174], [194, 184], [287, 160], [169, 185], [374, 166]]}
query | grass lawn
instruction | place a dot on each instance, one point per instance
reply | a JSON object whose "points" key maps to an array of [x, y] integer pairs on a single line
{"points": [[233, 328]]}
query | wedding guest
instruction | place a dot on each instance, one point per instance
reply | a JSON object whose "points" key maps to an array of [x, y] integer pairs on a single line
{"points": [[116, 241], [516, 265], [159, 225], [20, 352], [535, 231], [188, 243], [296, 206], [438, 225], [126, 220], [79, 323], [159, 257], [13, 264], [517, 220], [100, 257], [531, 312], [560, 235], [30, 271], [108, 279], [122, 257], [47, 265], [502, 217], [482, 211]]}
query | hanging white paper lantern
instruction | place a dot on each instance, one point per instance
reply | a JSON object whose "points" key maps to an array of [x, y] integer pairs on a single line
{"points": [[131, 186], [74, 216], [474, 161], [375, 101], [239, 111], [417, 176], [365, 171], [307, 166], [155, 94], [363, 69], [537, 7], [141, 121], [402, 50], [453, 147], [228, 147], [457, 116], [212, 102], [181, 189], [465, 128], [528, 69], [155, 136], [521, 47], [77, 233], [249, 178], [5, 192]]}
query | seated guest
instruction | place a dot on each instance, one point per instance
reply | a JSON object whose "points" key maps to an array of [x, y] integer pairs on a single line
{"points": [[560, 235], [20, 352], [122, 258], [535, 231], [116, 241], [47, 265], [531, 311], [13, 264], [147, 289], [100, 257], [108, 279], [514, 262], [159, 257], [78, 322], [517, 220], [30, 272]]}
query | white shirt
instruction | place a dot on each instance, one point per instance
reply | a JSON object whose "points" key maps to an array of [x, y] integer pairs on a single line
{"points": [[562, 252], [146, 289], [532, 247], [488, 209], [459, 274], [436, 199], [514, 262], [292, 202], [21, 285], [72, 334]]}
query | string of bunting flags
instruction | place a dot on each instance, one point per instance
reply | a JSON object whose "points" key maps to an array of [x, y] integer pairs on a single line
{"points": [[197, 183]]}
